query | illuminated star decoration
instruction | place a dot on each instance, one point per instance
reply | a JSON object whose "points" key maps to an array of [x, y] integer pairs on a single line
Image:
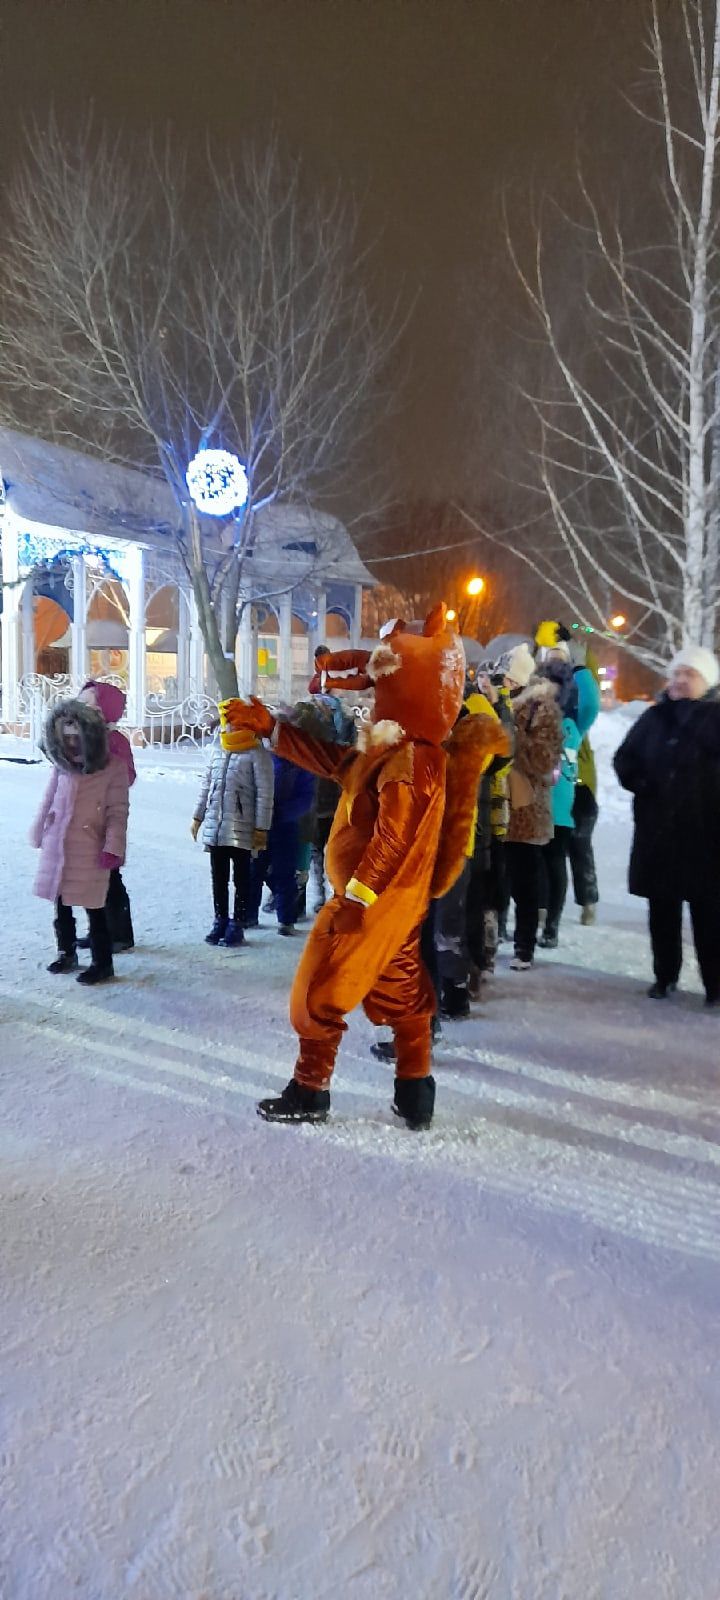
{"points": [[217, 482]]}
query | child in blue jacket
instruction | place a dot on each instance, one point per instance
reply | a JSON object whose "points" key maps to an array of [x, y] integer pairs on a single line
{"points": [[277, 865]]}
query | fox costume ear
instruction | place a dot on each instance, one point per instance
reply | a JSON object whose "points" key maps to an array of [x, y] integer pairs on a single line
{"points": [[388, 629], [435, 621]]}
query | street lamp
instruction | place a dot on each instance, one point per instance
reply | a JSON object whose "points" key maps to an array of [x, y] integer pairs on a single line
{"points": [[475, 586], [618, 621], [451, 616]]}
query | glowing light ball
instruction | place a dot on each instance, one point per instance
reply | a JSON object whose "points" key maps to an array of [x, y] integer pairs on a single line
{"points": [[217, 482]]}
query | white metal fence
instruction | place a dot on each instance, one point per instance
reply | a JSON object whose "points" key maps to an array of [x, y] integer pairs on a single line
{"points": [[168, 724]]}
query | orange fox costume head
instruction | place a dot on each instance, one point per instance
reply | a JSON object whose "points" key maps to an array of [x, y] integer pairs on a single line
{"points": [[418, 678]]}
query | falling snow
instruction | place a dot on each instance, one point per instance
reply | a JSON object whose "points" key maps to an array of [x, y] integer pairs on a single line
{"points": [[243, 1362]]}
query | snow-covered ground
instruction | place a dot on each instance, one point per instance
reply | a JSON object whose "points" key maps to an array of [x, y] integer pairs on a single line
{"points": [[243, 1362]]}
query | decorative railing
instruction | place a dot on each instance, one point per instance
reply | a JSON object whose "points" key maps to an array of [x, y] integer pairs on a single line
{"points": [[167, 723]]}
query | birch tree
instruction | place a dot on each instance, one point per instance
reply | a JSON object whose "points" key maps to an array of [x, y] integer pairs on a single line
{"points": [[153, 306], [627, 408]]}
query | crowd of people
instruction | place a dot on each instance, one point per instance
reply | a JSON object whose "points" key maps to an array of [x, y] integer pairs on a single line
{"points": [[265, 821]]}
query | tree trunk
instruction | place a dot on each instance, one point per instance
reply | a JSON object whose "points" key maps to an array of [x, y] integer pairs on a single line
{"points": [[697, 509], [222, 665]]}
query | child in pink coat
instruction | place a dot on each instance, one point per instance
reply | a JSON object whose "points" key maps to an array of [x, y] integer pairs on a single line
{"points": [[80, 831]]}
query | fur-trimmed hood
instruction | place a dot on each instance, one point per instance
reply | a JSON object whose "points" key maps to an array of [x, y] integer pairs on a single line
{"points": [[92, 732], [539, 690]]}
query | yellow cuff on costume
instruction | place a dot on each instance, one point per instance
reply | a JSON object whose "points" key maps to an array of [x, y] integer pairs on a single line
{"points": [[355, 890]]}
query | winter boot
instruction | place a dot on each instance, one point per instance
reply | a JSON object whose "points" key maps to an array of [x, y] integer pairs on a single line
{"points": [[287, 929], [414, 1101], [661, 991], [296, 1104], [217, 931], [454, 1001], [96, 974], [66, 961], [588, 916], [520, 963], [233, 934], [549, 938], [475, 983]]}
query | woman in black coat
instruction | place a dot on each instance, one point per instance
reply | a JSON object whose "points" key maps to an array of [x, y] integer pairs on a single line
{"points": [[670, 762]]}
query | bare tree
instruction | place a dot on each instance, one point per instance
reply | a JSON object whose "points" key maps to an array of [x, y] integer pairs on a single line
{"points": [[153, 306], [627, 447]]}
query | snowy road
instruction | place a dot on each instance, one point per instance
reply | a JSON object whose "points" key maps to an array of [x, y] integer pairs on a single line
{"points": [[241, 1362]]}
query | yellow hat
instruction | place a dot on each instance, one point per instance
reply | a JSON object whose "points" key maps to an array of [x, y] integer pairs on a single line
{"points": [[232, 739]]}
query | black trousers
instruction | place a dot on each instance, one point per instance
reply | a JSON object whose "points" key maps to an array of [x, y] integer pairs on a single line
{"points": [[222, 858], [117, 910], [453, 956], [66, 934], [523, 864], [555, 855], [580, 848], [487, 893], [665, 917]]}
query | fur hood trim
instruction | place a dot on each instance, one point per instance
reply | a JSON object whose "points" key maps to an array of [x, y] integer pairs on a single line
{"points": [[93, 737], [538, 690], [379, 735]]}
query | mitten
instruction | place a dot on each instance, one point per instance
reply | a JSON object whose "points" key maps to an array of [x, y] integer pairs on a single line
{"points": [[250, 714], [108, 861], [348, 918], [195, 827]]}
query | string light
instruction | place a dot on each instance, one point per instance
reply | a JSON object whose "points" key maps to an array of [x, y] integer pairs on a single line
{"points": [[217, 482]]}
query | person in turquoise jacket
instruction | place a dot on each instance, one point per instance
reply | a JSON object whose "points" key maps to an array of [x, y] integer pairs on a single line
{"points": [[555, 854]]}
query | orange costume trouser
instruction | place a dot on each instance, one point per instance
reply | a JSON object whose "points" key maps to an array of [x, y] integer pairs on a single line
{"points": [[338, 972]]}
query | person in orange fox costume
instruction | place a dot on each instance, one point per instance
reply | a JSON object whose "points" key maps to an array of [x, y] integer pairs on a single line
{"points": [[382, 858]]}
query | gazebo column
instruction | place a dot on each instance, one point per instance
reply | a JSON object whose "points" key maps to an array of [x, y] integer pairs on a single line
{"points": [[197, 650], [316, 634], [247, 647], [183, 644], [285, 662], [137, 666], [10, 620], [28, 627], [78, 632], [356, 624]]}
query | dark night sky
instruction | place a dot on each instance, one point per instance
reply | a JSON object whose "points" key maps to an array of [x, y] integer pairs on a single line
{"points": [[426, 107]]}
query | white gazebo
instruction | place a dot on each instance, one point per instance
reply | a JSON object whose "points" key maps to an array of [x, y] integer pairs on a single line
{"points": [[96, 546]]}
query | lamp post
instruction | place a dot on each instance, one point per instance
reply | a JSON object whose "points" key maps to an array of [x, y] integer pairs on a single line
{"points": [[473, 589]]}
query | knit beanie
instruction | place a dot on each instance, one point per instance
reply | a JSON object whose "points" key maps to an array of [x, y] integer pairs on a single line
{"points": [[520, 666], [700, 660]]}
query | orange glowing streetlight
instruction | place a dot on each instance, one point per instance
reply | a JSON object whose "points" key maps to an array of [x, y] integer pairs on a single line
{"points": [[618, 621], [475, 586], [451, 616]]}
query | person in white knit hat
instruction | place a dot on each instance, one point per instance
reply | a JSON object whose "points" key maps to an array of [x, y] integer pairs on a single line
{"points": [[670, 762]]}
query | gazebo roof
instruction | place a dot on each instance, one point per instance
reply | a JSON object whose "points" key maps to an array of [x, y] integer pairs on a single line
{"points": [[61, 488]]}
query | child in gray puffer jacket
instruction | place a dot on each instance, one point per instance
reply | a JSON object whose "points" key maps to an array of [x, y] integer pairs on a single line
{"points": [[234, 811]]}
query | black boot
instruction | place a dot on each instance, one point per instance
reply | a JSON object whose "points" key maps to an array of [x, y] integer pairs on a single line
{"points": [[65, 933], [415, 1101], [454, 1001], [66, 961], [296, 1104], [383, 1049], [660, 991], [217, 931], [549, 938], [97, 974], [101, 968]]}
